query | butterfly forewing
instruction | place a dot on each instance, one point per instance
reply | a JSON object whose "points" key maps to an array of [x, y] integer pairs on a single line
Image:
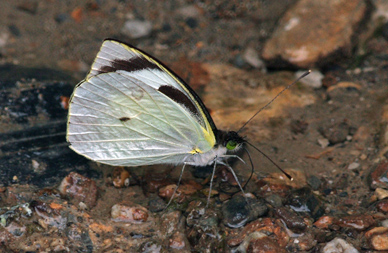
{"points": [[115, 56]]}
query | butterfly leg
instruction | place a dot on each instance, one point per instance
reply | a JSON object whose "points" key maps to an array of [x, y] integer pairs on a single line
{"points": [[234, 156], [211, 183], [235, 177], [177, 186]]}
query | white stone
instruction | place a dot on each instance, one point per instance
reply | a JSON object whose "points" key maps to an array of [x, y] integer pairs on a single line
{"points": [[353, 166], [313, 80], [251, 56], [323, 142], [338, 245], [137, 28]]}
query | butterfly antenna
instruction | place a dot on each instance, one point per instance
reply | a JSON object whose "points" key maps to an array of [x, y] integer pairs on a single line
{"points": [[253, 169], [270, 102], [277, 166]]}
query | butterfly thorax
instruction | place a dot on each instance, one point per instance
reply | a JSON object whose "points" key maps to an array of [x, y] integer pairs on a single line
{"points": [[227, 142]]}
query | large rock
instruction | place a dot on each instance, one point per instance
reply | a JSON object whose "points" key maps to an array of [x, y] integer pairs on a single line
{"points": [[312, 33]]}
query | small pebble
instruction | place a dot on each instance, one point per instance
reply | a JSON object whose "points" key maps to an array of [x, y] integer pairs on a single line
{"points": [[4, 38], [378, 176], [324, 222], [384, 223], [121, 177], [313, 80], [178, 241], [189, 11], [38, 166], [378, 238], [79, 189], [136, 29], [339, 245], [353, 166], [357, 222], [382, 205], [336, 133], [381, 193], [292, 220], [323, 142], [129, 213], [251, 56], [150, 246]]}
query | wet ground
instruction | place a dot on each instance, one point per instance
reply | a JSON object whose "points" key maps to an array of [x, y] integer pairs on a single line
{"points": [[329, 131]]}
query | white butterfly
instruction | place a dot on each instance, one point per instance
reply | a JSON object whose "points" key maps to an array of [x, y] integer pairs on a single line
{"points": [[131, 110]]}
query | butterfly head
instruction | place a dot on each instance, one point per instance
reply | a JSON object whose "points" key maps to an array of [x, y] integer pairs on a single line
{"points": [[232, 141]]}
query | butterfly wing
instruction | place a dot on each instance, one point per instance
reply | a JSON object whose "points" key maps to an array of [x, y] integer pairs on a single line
{"points": [[135, 117], [115, 56]]}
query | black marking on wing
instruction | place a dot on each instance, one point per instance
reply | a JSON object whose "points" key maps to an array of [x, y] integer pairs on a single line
{"points": [[124, 119], [179, 97], [131, 65]]}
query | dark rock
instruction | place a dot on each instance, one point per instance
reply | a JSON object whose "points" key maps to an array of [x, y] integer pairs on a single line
{"points": [[314, 182], [14, 30], [336, 133], [378, 177], [202, 172], [237, 212], [384, 31], [303, 200], [298, 126], [192, 22], [292, 220], [358, 222], [61, 18], [156, 204], [274, 200]]}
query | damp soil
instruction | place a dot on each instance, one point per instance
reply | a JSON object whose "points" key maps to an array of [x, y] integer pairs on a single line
{"points": [[329, 139]]}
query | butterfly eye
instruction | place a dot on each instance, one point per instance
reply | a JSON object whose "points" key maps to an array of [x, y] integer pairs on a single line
{"points": [[231, 145]]}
